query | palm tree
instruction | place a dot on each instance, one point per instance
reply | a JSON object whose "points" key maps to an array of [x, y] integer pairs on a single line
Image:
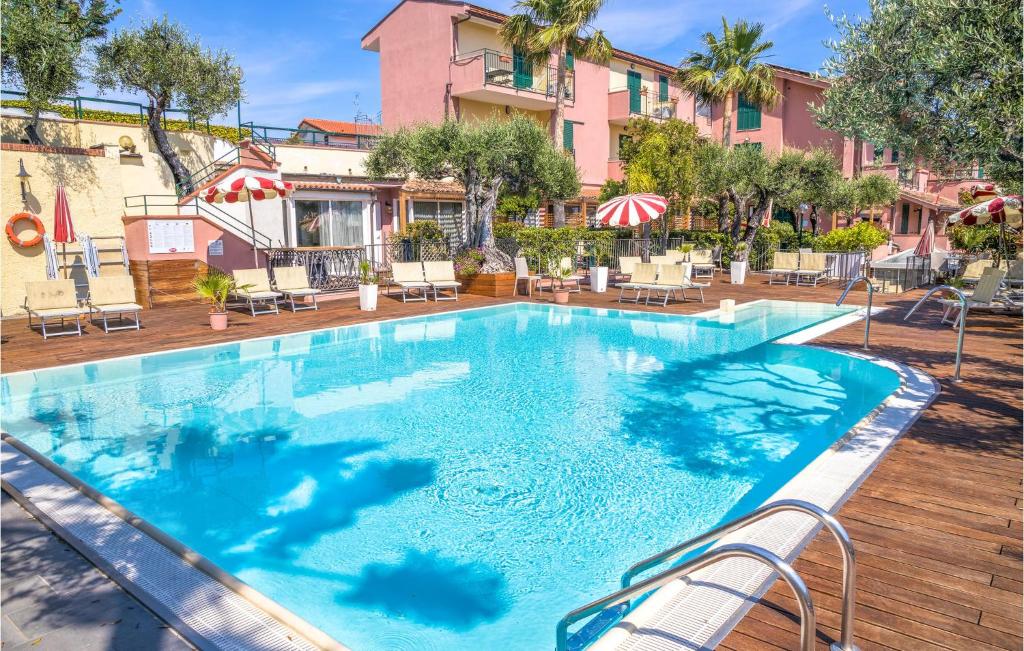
{"points": [[542, 28], [731, 65]]}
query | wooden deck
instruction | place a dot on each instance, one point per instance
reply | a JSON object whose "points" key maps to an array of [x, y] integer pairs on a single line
{"points": [[937, 526]]}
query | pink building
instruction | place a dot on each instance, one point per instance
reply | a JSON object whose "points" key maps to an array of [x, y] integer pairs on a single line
{"points": [[444, 59]]}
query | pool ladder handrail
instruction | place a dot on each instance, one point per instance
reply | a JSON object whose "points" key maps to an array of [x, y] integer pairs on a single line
{"points": [[628, 591], [871, 293], [963, 321]]}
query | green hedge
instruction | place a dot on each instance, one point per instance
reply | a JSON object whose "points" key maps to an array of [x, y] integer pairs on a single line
{"points": [[221, 131]]}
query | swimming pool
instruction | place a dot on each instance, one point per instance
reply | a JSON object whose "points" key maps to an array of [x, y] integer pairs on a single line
{"points": [[459, 480]]}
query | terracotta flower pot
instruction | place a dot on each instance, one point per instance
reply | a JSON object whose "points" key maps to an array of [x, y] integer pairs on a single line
{"points": [[219, 320], [561, 296]]}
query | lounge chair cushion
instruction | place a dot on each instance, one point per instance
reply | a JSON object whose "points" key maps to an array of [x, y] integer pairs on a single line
{"points": [[257, 280], [408, 273], [111, 290], [291, 278], [118, 307], [259, 296], [446, 283], [308, 291], [439, 271], [59, 311]]}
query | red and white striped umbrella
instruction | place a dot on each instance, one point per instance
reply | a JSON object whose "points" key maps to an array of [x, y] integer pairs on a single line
{"points": [[631, 209], [926, 245], [1001, 210], [63, 229], [246, 188], [984, 191]]}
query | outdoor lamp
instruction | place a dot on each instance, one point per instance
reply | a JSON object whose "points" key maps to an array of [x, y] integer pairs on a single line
{"points": [[23, 177]]}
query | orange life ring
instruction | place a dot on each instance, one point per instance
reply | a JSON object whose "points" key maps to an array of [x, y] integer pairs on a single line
{"points": [[36, 224]]}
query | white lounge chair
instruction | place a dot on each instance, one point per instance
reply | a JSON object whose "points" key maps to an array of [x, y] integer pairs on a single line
{"points": [[676, 256], [253, 286], [110, 295], [644, 274], [294, 282], [671, 279], [703, 262], [784, 266], [663, 259], [811, 269], [985, 297], [523, 274], [626, 265], [48, 300], [441, 276], [409, 276], [973, 271]]}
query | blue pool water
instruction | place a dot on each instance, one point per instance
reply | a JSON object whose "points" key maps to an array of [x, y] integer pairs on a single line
{"points": [[457, 481]]}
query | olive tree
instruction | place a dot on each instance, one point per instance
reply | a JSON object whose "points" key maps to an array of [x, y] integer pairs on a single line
{"points": [[486, 158], [169, 66], [936, 80], [43, 45]]}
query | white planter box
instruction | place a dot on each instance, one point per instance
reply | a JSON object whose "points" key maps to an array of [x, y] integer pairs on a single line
{"points": [[738, 272], [599, 279], [368, 298]]}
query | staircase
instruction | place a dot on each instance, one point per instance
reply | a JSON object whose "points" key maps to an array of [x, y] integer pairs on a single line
{"points": [[256, 151], [169, 204]]}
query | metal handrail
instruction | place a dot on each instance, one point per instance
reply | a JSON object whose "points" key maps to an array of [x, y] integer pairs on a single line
{"points": [[871, 293], [815, 511], [963, 321], [202, 208], [208, 171], [808, 625]]}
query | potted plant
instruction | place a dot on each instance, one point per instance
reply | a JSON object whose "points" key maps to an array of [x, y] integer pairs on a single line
{"points": [[215, 286], [367, 288], [685, 249], [738, 266], [559, 273]]}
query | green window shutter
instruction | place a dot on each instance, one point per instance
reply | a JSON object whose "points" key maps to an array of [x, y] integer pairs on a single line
{"points": [[662, 88], [879, 153], [570, 61], [567, 135], [981, 172], [522, 70], [895, 156], [905, 219], [633, 84], [748, 116]]}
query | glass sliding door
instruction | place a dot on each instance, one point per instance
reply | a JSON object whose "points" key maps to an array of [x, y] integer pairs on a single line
{"points": [[329, 223], [346, 223]]}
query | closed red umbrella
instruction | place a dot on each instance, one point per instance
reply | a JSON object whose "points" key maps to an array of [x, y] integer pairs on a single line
{"points": [[63, 229], [926, 245], [248, 189]]}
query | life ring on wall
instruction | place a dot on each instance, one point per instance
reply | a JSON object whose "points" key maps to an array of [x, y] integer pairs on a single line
{"points": [[36, 224]]}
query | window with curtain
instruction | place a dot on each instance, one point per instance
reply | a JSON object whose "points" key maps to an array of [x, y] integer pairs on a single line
{"points": [[329, 223], [703, 109], [748, 115], [446, 214]]}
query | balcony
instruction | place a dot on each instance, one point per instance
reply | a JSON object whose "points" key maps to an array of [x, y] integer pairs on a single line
{"points": [[494, 77], [622, 107]]}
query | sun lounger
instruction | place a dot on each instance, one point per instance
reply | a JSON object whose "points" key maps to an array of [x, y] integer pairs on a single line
{"points": [[523, 274], [1015, 273], [972, 272], [671, 279], [676, 256], [409, 276], [811, 269], [663, 259], [784, 266], [985, 297], [294, 282], [703, 262], [110, 295], [50, 300], [441, 276], [644, 274], [252, 287]]}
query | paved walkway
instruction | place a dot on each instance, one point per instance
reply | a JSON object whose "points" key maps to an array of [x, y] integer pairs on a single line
{"points": [[53, 598]]}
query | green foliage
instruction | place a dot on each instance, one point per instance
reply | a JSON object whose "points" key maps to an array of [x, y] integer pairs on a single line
{"points": [[863, 236], [545, 245], [516, 206], [44, 42], [939, 81], [419, 231], [973, 239], [508, 230], [488, 158], [661, 158], [731, 64], [469, 262], [366, 275], [215, 286], [873, 190], [611, 189], [67, 111]]}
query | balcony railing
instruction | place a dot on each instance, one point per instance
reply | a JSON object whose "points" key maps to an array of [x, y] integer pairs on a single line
{"points": [[315, 137], [645, 104], [503, 69]]}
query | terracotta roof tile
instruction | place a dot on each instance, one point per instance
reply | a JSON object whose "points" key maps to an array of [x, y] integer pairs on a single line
{"points": [[338, 187], [931, 199], [337, 126], [428, 186]]}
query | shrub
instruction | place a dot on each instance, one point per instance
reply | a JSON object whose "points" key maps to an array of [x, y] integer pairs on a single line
{"points": [[508, 230], [863, 236], [469, 262], [421, 231]]}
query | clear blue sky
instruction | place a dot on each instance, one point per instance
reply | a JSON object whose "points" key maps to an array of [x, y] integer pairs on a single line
{"points": [[302, 59]]}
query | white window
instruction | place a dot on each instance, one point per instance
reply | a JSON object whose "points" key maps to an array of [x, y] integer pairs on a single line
{"points": [[329, 223]]}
